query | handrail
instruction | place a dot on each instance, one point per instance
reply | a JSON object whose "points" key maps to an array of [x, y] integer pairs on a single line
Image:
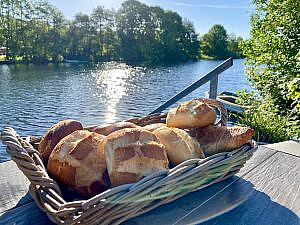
{"points": [[211, 76]]}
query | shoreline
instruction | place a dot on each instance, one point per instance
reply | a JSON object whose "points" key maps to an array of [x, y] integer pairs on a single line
{"points": [[12, 62]]}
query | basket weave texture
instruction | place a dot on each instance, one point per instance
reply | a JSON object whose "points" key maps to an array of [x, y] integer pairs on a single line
{"points": [[118, 204]]}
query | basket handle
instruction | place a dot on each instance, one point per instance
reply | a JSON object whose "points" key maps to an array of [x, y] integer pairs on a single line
{"points": [[28, 160], [220, 106]]}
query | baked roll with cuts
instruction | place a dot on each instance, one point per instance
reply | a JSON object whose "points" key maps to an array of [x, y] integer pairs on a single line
{"points": [[191, 114], [57, 132], [179, 144], [78, 162], [133, 153]]}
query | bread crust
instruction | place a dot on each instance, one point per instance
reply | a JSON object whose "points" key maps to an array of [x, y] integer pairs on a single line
{"points": [[179, 144], [78, 162], [132, 153], [107, 129], [214, 139], [57, 132], [191, 114], [154, 126]]}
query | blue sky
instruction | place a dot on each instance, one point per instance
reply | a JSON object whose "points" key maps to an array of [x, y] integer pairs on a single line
{"points": [[234, 15]]}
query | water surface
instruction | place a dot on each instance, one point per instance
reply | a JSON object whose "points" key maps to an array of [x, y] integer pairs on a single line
{"points": [[34, 97]]}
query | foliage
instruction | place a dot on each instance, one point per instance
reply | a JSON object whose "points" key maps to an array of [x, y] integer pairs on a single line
{"points": [[154, 35], [269, 125], [273, 55], [217, 44], [37, 32]]}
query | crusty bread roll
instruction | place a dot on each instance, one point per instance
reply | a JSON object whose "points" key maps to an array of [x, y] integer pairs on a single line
{"points": [[55, 134], [154, 126], [106, 129], [214, 139], [191, 114], [132, 153], [179, 144], [78, 162]]}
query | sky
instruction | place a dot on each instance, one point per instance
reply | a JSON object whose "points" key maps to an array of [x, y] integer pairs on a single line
{"points": [[234, 15]]}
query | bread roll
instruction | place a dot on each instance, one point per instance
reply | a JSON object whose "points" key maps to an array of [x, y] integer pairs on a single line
{"points": [[179, 144], [191, 114], [154, 126], [55, 134], [106, 129], [78, 162], [132, 153], [214, 139]]}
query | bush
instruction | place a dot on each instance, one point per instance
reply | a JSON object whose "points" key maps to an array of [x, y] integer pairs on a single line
{"points": [[273, 67], [262, 116]]}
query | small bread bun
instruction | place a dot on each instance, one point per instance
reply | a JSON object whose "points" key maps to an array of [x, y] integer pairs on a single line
{"points": [[179, 144], [55, 134], [191, 114], [106, 129], [78, 162], [132, 153], [154, 126]]}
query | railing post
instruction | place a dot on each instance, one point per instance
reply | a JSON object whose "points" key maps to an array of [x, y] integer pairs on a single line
{"points": [[210, 76], [213, 87]]}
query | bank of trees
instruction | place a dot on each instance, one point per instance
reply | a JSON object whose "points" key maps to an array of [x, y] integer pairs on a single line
{"points": [[35, 31]]}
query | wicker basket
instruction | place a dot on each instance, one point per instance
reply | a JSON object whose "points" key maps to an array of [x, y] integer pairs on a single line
{"points": [[118, 204]]}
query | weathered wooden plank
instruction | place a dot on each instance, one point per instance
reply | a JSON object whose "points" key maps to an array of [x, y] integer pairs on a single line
{"points": [[27, 214], [274, 198], [290, 147], [17, 203], [13, 187]]}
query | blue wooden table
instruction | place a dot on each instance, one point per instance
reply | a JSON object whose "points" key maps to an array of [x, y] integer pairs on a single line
{"points": [[265, 191]]}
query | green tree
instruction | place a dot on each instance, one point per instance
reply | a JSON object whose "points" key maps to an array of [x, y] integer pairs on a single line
{"points": [[273, 66], [190, 40], [214, 43], [153, 35], [104, 39], [233, 44], [273, 53]]}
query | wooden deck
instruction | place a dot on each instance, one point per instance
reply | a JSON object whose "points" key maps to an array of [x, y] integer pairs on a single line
{"points": [[266, 191]]}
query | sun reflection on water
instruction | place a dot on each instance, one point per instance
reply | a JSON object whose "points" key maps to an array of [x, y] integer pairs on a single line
{"points": [[112, 81]]}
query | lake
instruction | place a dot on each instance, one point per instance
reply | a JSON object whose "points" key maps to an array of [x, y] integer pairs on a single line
{"points": [[34, 97]]}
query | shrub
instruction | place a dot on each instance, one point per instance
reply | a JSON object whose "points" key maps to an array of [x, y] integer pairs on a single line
{"points": [[273, 67], [262, 116]]}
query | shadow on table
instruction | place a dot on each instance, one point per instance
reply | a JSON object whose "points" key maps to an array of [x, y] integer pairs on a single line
{"points": [[233, 201], [25, 212], [258, 209]]}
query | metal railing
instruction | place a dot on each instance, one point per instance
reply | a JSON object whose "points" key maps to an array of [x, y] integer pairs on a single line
{"points": [[211, 76]]}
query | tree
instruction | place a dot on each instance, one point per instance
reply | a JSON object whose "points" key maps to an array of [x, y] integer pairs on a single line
{"points": [[214, 43], [153, 35], [273, 55], [233, 48], [190, 40]]}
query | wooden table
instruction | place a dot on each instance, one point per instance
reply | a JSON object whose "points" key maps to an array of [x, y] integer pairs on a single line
{"points": [[265, 191]]}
